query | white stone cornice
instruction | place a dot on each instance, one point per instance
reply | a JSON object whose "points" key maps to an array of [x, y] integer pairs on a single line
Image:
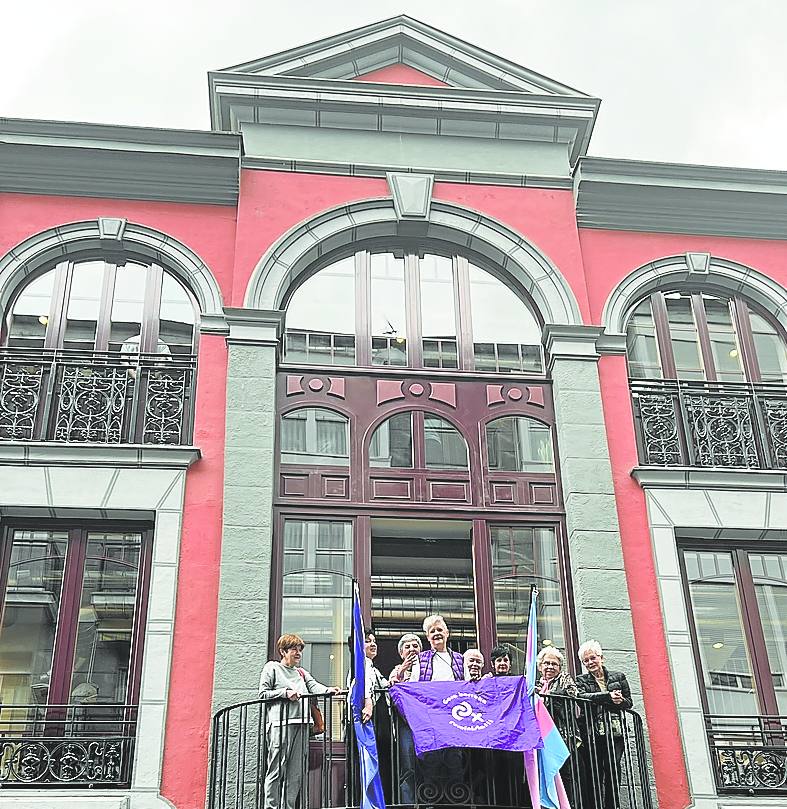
{"points": [[254, 326]]}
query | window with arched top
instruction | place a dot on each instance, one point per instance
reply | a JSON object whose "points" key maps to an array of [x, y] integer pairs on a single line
{"points": [[700, 336], [417, 440], [315, 435], [101, 305], [519, 444], [411, 308]]}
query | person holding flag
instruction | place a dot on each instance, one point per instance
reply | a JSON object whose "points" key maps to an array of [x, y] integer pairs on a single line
{"points": [[372, 796], [542, 766]]}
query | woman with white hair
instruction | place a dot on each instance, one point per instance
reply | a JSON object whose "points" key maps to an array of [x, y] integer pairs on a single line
{"points": [[610, 694], [474, 664], [438, 662], [409, 647], [554, 679]]}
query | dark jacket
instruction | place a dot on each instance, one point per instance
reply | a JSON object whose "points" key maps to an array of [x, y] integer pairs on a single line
{"points": [[588, 689]]}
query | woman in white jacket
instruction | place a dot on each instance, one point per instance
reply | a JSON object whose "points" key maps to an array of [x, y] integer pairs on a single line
{"points": [[288, 718]]}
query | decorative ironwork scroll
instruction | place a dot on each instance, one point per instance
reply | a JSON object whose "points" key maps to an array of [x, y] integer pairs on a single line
{"points": [[775, 417], [91, 403], [20, 395], [721, 431], [746, 769], [659, 424], [165, 402]]}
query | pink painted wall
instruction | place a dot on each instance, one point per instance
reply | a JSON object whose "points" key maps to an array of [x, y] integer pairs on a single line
{"points": [[401, 74]]}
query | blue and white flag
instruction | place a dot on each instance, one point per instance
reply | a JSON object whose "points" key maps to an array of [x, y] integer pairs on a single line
{"points": [[371, 786]]}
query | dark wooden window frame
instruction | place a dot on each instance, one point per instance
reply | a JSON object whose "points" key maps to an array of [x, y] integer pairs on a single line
{"points": [[70, 597], [411, 251], [740, 309], [750, 617], [56, 327]]}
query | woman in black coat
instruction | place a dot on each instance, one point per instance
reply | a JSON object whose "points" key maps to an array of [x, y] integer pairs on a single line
{"points": [[609, 694]]}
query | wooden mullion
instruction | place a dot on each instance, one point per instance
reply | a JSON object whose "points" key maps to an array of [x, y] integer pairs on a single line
{"points": [[363, 331], [412, 297], [59, 305], [658, 306], [151, 309], [703, 333], [104, 323], [140, 617], [742, 325], [483, 587], [462, 304]]}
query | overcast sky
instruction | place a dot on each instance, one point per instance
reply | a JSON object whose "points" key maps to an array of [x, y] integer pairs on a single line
{"points": [[692, 81]]}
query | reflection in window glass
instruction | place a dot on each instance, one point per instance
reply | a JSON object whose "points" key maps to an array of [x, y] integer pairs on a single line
{"points": [[683, 335], [723, 340], [31, 313], [317, 593], [314, 435], [726, 664], [127, 307], [641, 346], [771, 350], [392, 443], [438, 312], [83, 305], [321, 317], [769, 571], [31, 614], [444, 446], [521, 557], [519, 444], [506, 336], [102, 654], [388, 312], [176, 321]]}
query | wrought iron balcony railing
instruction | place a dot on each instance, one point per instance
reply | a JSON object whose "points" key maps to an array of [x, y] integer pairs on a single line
{"points": [[96, 397], [710, 424], [749, 754], [607, 766], [66, 745]]}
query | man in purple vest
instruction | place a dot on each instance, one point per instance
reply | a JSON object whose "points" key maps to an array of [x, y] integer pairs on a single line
{"points": [[437, 662]]}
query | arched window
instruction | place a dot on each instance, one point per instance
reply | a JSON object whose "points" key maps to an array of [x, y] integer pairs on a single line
{"points": [[315, 435], [703, 336], [101, 305], [407, 308], [519, 444], [417, 440]]}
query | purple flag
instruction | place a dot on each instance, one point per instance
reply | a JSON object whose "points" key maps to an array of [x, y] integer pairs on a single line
{"points": [[494, 713]]}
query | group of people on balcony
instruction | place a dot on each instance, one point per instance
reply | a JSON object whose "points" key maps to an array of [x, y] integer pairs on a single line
{"points": [[285, 682]]}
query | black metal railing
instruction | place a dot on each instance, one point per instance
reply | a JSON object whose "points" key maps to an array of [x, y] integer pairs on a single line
{"points": [[749, 754], [96, 397], [606, 769], [67, 745], [710, 424]]}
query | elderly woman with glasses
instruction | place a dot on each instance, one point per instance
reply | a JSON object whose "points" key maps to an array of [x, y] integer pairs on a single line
{"points": [[288, 719], [409, 648]]}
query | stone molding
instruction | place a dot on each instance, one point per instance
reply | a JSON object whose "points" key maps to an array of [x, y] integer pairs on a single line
{"points": [[683, 477], [55, 453], [722, 274], [411, 193], [279, 269], [49, 246], [254, 326], [580, 343]]}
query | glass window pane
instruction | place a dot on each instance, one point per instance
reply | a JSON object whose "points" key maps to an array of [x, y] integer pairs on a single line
{"points": [[771, 587], [323, 306], [30, 617], [521, 557], [444, 446], [723, 340], [641, 346], [504, 328], [314, 435], [83, 305], [389, 311], [726, 664], [102, 655], [438, 312], [392, 443], [176, 318], [127, 305], [519, 444], [770, 348], [317, 594], [683, 334], [32, 312]]}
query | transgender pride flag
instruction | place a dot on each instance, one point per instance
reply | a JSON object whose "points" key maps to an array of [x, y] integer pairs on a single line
{"points": [[543, 766]]}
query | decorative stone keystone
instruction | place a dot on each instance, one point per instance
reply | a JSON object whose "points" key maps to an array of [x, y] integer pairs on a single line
{"points": [[111, 229], [412, 194], [698, 263]]}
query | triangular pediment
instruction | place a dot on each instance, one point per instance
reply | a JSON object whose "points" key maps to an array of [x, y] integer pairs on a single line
{"points": [[409, 43]]}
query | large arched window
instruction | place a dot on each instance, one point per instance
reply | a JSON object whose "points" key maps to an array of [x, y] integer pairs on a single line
{"points": [[417, 440], [101, 305], [315, 435], [411, 309], [702, 336], [519, 444]]}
